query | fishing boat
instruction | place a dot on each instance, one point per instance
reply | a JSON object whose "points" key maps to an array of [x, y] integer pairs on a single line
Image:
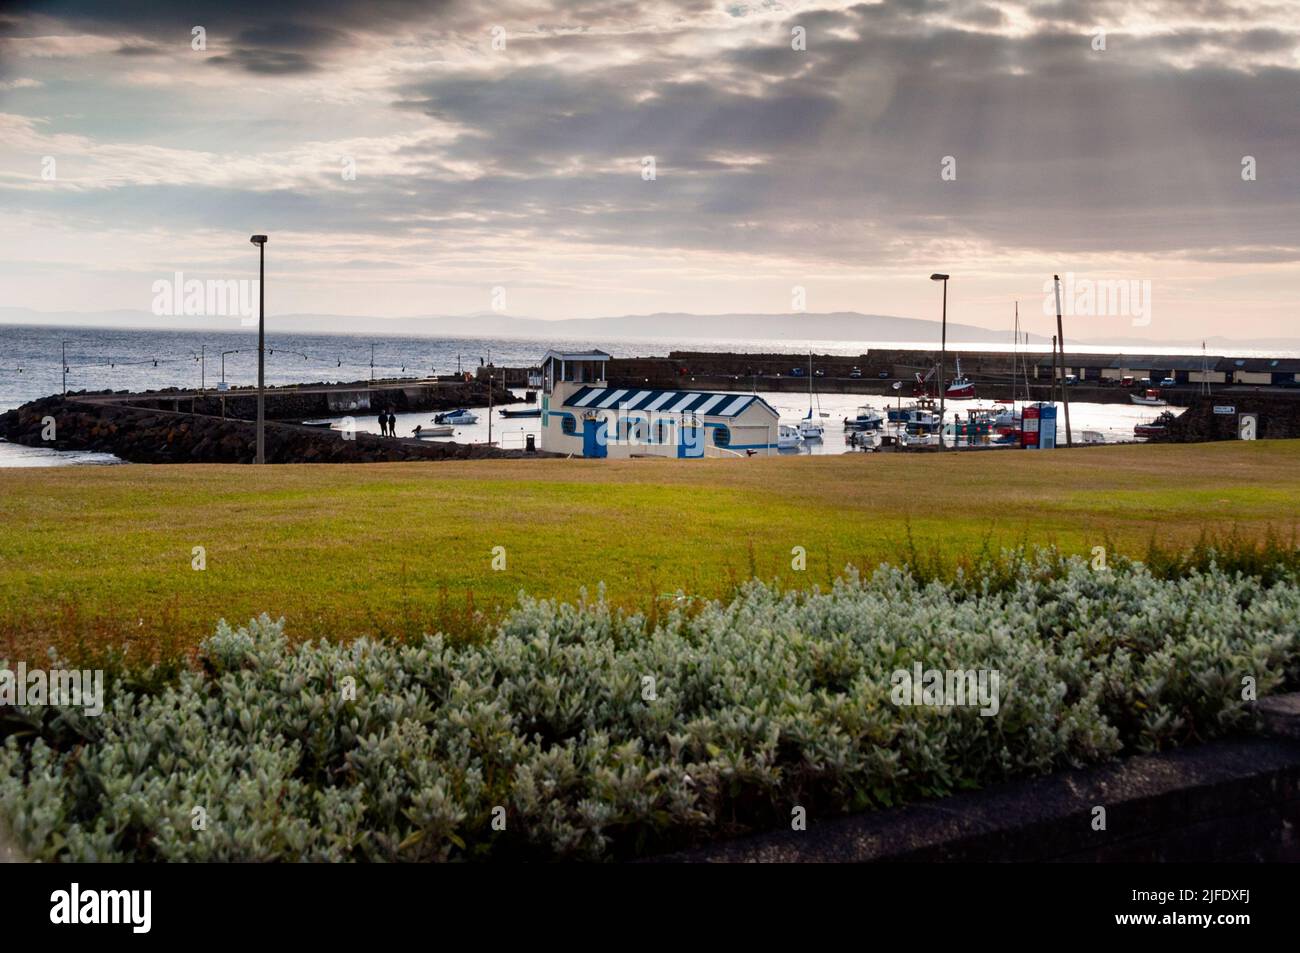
{"points": [[961, 387], [920, 407], [528, 412], [458, 416], [867, 418], [1093, 436], [1151, 398], [919, 419], [1154, 428]]}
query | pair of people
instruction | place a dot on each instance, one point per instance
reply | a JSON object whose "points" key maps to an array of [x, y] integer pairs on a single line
{"points": [[387, 423]]}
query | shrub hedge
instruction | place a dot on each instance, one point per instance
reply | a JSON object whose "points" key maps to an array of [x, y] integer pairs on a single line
{"points": [[587, 733]]}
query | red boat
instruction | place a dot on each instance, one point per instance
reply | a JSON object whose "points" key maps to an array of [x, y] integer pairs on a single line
{"points": [[961, 387]]}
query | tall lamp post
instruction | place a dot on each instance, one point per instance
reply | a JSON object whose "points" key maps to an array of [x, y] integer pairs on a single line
{"points": [[943, 352], [260, 242]]}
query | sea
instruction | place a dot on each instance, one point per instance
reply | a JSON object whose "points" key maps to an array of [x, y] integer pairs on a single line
{"points": [[33, 361]]}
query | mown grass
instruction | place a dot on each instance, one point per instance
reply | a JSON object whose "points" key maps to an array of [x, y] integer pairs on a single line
{"points": [[92, 558]]}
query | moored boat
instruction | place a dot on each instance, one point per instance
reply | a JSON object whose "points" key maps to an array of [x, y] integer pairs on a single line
{"points": [[529, 412], [458, 416], [960, 387], [867, 418], [1151, 398], [810, 428], [787, 437]]}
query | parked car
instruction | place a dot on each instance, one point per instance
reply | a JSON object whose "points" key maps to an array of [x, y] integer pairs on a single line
{"points": [[1127, 382], [1145, 382], [1168, 382], [855, 373], [1071, 379], [820, 372], [797, 372], [883, 375]]}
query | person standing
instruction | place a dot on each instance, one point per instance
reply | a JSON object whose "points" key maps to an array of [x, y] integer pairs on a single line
{"points": [[392, 424], [383, 424]]}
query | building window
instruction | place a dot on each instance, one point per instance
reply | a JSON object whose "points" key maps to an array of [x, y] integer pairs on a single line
{"points": [[721, 437], [568, 424]]}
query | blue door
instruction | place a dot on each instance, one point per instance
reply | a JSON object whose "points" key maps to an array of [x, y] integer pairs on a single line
{"points": [[593, 438]]}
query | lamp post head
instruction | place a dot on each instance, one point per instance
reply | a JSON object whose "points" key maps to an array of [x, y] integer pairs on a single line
{"points": [[938, 277], [258, 239]]}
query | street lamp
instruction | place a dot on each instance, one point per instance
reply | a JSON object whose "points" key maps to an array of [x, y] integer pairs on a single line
{"points": [[223, 363], [943, 351], [260, 242]]}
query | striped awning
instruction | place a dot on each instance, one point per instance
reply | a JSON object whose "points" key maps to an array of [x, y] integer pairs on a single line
{"points": [[700, 403]]}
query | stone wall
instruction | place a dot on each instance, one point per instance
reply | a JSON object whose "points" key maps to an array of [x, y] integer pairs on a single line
{"points": [[146, 435]]}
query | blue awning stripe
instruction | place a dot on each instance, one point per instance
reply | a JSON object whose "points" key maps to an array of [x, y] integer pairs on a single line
{"points": [[662, 401]]}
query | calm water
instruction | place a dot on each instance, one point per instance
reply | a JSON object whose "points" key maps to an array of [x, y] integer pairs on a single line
{"points": [[126, 359]]}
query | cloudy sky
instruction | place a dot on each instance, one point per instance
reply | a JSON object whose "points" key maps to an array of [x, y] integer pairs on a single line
{"points": [[504, 144]]}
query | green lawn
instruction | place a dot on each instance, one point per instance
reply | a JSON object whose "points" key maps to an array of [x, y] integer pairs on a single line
{"points": [[104, 554]]}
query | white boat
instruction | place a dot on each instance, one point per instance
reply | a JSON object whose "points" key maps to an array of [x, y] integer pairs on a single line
{"points": [[424, 433], [458, 416], [787, 437], [810, 428], [868, 418], [1093, 436], [1151, 398], [919, 439]]}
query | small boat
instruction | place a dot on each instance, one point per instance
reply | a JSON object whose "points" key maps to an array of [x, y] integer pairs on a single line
{"points": [[787, 437], [810, 428], [868, 418], [458, 416], [1151, 398], [1093, 436], [424, 433], [528, 412], [919, 440], [919, 420], [961, 387], [318, 423], [1154, 428], [1007, 421]]}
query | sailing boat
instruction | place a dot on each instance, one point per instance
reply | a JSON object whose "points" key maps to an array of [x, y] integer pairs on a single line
{"points": [[1008, 422], [810, 428]]}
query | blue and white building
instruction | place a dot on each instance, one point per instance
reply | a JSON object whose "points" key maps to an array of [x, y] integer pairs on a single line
{"points": [[584, 416]]}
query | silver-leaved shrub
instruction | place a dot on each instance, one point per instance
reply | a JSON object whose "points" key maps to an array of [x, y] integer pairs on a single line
{"points": [[544, 742]]}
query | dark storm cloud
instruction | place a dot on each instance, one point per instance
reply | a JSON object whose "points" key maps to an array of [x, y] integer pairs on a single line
{"points": [[293, 36], [833, 153]]}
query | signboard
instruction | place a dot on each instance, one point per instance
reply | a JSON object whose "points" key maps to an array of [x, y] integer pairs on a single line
{"points": [[1038, 427], [1247, 425], [1047, 427], [1226, 410]]}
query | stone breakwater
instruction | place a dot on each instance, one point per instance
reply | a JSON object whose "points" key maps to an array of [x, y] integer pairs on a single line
{"points": [[148, 435], [308, 401]]}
